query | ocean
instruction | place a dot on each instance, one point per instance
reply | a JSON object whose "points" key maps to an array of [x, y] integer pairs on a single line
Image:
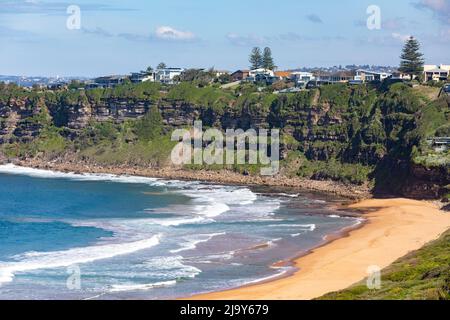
{"points": [[102, 236]]}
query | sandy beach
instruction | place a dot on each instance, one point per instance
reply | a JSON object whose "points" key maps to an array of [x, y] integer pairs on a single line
{"points": [[394, 228]]}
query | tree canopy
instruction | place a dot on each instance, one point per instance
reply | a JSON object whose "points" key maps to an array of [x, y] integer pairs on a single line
{"points": [[411, 58], [162, 65], [256, 58], [267, 60]]}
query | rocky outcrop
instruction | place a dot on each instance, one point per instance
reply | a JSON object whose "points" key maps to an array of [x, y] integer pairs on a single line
{"points": [[426, 183], [179, 114], [16, 120], [78, 116]]}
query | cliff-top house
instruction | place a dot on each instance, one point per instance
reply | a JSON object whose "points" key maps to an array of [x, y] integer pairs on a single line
{"points": [[436, 72], [107, 81], [143, 76], [335, 77], [167, 75], [240, 75]]}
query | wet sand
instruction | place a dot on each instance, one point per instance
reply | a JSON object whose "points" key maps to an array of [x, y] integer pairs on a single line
{"points": [[394, 228]]}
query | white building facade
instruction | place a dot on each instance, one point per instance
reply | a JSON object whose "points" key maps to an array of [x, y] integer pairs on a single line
{"points": [[167, 75], [436, 72], [369, 76], [302, 78]]}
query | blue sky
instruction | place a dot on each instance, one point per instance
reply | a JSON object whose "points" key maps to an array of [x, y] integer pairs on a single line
{"points": [[117, 37]]}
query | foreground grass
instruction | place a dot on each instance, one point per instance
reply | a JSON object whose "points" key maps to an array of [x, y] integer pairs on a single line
{"points": [[421, 275]]}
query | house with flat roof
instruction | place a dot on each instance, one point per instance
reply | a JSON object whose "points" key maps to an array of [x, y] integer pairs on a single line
{"points": [[261, 71], [262, 75], [370, 76], [397, 75], [167, 75], [335, 77], [436, 73], [108, 81], [302, 78], [143, 76]]}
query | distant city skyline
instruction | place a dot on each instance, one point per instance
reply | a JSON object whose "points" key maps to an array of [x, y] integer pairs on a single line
{"points": [[118, 37]]}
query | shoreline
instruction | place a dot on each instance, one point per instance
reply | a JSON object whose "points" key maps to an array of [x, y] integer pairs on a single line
{"points": [[337, 263], [224, 177], [344, 260], [284, 263], [410, 224], [291, 262]]}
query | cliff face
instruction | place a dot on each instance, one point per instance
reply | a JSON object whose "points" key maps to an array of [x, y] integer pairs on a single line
{"points": [[426, 183], [352, 125], [17, 123], [77, 116]]}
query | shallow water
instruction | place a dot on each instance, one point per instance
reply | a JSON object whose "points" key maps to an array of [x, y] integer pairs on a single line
{"points": [[136, 237]]}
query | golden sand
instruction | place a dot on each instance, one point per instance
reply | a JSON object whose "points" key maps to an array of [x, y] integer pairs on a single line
{"points": [[394, 228]]}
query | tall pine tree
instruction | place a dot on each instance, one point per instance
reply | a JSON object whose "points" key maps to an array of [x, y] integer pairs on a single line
{"points": [[256, 59], [411, 59], [267, 60]]}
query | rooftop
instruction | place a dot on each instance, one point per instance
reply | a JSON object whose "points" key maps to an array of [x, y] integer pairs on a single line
{"points": [[437, 70], [283, 74]]}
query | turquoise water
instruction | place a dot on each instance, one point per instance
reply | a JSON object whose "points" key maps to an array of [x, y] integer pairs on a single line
{"points": [[144, 238]]}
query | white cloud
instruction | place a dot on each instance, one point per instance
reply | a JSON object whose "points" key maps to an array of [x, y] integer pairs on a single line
{"points": [[441, 8], [169, 33], [246, 40], [400, 37]]}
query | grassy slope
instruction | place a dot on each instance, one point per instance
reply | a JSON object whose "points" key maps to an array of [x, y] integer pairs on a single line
{"points": [[423, 274]]}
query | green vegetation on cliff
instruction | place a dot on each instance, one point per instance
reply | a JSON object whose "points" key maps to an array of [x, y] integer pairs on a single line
{"points": [[364, 134]]}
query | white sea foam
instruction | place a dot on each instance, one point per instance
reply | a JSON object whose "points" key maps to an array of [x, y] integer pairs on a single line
{"points": [[212, 210], [213, 201], [272, 242], [311, 227], [358, 221], [209, 201], [334, 216], [48, 174], [49, 260], [193, 241], [169, 268], [212, 258], [289, 195], [283, 271], [179, 221], [142, 287]]}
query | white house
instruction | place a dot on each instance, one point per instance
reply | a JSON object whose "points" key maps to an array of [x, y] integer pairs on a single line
{"points": [[368, 75], [261, 72], [143, 76], [436, 73], [167, 75], [302, 78]]}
